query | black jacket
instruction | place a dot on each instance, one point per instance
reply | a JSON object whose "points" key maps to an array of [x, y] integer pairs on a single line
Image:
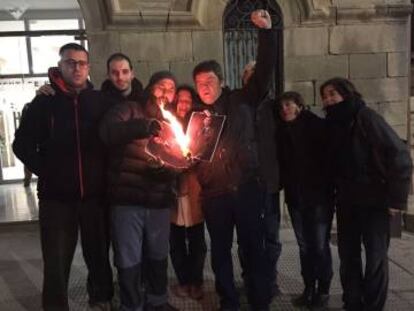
{"points": [[136, 91], [134, 176], [236, 159], [372, 165], [304, 172], [58, 141], [266, 124]]}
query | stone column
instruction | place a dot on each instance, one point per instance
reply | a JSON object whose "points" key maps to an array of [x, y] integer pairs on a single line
{"points": [[409, 214]]}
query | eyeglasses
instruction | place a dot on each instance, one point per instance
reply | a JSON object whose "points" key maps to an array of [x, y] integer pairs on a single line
{"points": [[73, 63]]}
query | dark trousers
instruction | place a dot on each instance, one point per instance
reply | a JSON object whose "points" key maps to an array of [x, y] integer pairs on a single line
{"points": [[188, 253], [59, 226], [363, 291], [139, 232], [242, 209], [312, 227], [272, 228], [272, 240]]}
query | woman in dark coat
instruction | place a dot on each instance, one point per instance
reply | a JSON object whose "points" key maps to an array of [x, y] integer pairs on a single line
{"points": [[307, 193], [371, 167]]}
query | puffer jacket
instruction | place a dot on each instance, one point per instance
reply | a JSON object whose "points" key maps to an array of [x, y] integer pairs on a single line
{"points": [[134, 176], [58, 140]]}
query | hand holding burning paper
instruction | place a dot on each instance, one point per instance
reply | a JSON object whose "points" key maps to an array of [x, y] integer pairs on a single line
{"points": [[180, 149]]}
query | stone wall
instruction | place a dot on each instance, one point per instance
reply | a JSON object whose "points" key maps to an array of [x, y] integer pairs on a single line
{"points": [[366, 41]]}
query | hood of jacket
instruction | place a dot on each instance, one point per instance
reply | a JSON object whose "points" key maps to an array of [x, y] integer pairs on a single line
{"points": [[59, 84]]}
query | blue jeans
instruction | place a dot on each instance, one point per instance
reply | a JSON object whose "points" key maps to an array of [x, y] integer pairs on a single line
{"points": [[272, 227], [312, 226], [242, 209], [272, 241], [139, 232]]}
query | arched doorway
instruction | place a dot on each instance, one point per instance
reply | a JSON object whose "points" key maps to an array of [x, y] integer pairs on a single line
{"points": [[240, 39]]}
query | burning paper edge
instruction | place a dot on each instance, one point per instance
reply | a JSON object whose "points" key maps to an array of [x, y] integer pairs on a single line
{"points": [[218, 136]]}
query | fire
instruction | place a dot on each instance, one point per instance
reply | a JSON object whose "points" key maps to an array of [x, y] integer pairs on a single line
{"points": [[181, 138]]}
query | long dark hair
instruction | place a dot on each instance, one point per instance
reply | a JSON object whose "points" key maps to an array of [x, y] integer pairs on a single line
{"points": [[188, 88], [343, 86]]}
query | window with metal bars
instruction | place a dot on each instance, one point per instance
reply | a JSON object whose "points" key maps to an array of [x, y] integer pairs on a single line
{"points": [[240, 39]]}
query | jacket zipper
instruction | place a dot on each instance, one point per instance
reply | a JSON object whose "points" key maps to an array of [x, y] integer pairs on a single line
{"points": [[80, 170]]}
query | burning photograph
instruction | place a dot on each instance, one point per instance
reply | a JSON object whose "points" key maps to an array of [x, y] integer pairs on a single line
{"points": [[204, 132], [178, 149], [166, 147]]}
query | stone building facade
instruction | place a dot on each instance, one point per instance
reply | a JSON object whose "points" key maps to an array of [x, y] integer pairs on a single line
{"points": [[367, 41]]}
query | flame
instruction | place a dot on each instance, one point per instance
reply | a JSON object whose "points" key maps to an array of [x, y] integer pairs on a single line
{"points": [[181, 138]]}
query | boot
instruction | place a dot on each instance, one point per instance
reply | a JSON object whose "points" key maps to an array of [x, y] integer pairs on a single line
{"points": [[321, 297], [306, 298]]}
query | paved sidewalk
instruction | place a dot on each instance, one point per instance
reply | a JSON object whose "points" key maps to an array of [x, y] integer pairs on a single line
{"points": [[21, 274]]}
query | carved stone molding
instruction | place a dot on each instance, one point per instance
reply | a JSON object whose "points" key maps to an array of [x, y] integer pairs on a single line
{"points": [[146, 15], [165, 15]]}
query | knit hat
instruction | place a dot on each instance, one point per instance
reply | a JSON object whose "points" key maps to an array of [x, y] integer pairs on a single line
{"points": [[158, 76]]}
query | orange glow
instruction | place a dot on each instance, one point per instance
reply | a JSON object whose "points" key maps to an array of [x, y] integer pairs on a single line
{"points": [[182, 139]]}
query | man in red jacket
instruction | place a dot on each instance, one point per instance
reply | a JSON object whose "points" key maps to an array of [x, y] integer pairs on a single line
{"points": [[58, 141]]}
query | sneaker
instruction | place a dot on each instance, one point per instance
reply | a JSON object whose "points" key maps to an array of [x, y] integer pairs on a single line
{"points": [[181, 291], [196, 292], [100, 306]]}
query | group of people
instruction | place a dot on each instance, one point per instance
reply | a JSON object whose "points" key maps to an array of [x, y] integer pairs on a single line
{"points": [[88, 148]]}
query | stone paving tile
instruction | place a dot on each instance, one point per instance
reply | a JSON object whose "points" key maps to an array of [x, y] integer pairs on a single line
{"points": [[21, 272]]}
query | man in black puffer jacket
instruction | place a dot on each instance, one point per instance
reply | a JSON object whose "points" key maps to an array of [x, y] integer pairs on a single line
{"points": [[58, 141], [142, 192], [232, 193]]}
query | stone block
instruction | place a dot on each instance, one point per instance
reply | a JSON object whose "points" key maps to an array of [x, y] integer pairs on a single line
{"points": [[142, 72], [210, 15], [98, 73], [157, 46], [409, 221], [401, 130], [306, 89], [306, 41], [102, 45], [207, 45], [368, 65], [398, 64], [183, 71], [383, 90], [369, 38], [395, 113], [316, 67]]}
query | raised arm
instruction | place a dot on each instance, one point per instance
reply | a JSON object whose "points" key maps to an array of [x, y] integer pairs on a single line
{"points": [[260, 83]]}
